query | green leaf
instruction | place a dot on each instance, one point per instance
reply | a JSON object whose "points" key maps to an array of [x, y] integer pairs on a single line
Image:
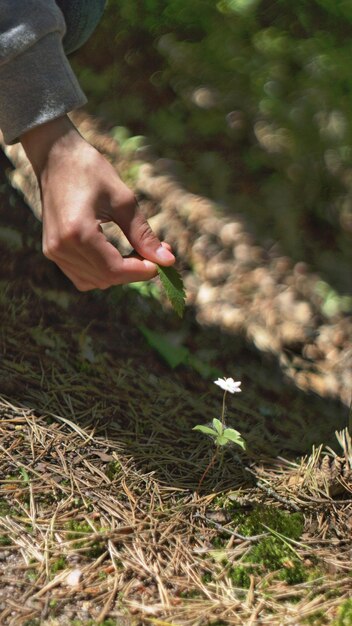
{"points": [[206, 430], [173, 355], [203, 368], [24, 474], [221, 440], [172, 282], [217, 425], [233, 435]]}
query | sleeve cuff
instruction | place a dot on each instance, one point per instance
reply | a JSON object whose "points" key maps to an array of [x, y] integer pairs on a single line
{"points": [[36, 87]]}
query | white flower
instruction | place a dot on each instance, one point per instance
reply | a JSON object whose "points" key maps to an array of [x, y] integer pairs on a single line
{"points": [[228, 384]]}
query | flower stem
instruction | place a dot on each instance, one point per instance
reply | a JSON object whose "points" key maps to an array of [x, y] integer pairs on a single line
{"points": [[223, 408], [210, 464]]}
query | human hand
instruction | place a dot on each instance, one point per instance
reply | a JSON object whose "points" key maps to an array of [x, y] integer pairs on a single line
{"points": [[80, 190]]}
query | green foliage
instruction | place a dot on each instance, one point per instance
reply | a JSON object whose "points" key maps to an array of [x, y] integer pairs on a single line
{"points": [[24, 474], [59, 564], [5, 541], [251, 97], [239, 576], [270, 553], [175, 354], [113, 469], [344, 614], [174, 289], [5, 508], [252, 523], [91, 622], [79, 530], [222, 435]]}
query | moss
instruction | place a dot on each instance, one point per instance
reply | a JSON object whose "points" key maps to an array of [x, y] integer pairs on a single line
{"points": [[77, 531], [239, 576], [253, 523], [106, 622], [58, 565], [113, 469], [344, 617], [31, 575], [5, 508], [207, 577], [316, 619], [271, 553], [5, 541]]}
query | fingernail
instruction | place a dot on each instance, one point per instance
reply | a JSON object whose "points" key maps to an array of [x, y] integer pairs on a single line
{"points": [[164, 254], [149, 265]]}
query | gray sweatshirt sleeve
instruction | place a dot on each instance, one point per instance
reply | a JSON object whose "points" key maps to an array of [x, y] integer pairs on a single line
{"points": [[37, 83]]}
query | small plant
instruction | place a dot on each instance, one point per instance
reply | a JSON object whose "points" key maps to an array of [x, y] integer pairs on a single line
{"points": [[218, 431]]}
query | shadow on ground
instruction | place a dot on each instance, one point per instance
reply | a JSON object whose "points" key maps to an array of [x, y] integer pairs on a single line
{"points": [[82, 357]]}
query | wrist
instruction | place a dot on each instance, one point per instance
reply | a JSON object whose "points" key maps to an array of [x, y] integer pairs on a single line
{"points": [[43, 142]]}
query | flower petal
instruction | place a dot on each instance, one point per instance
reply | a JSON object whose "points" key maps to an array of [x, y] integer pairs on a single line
{"points": [[228, 384]]}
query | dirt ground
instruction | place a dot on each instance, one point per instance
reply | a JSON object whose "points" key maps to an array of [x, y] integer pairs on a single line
{"points": [[99, 466]]}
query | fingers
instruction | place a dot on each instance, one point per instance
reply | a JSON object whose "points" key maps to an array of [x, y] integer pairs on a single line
{"points": [[91, 262], [130, 219], [115, 269]]}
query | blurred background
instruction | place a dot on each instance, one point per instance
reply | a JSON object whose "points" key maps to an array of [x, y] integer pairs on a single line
{"points": [[250, 102]]}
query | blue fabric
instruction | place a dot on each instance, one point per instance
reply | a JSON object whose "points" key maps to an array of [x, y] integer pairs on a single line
{"points": [[81, 17]]}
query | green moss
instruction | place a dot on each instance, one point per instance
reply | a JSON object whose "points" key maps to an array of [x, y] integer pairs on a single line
{"points": [[113, 469], [58, 565], [316, 619], [78, 530], [31, 575], [239, 576], [253, 523], [344, 617], [106, 622], [5, 508], [207, 577], [271, 553], [5, 541]]}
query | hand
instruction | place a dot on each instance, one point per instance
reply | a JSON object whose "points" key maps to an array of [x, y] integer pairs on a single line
{"points": [[80, 190]]}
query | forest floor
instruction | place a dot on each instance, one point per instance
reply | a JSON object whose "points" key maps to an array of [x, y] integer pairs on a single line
{"points": [[102, 516]]}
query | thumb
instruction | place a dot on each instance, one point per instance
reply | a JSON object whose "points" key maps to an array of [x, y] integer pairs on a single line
{"points": [[132, 222]]}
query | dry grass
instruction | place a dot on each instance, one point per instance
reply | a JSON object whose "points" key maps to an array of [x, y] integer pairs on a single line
{"points": [[101, 519], [99, 473]]}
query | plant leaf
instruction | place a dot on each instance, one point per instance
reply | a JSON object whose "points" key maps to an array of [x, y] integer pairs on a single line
{"points": [[173, 355], [233, 435], [221, 440], [202, 367], [206, 430], [172, 282], [217, 425], [24, 474]]}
